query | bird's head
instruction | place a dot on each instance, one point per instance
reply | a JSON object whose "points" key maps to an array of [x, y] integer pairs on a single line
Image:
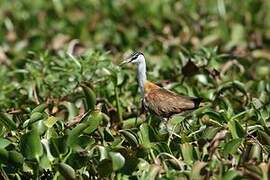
{"points": [[136, 58]]}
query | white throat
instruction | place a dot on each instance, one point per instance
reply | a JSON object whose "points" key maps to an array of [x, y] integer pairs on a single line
{"points": [[141, 73]]}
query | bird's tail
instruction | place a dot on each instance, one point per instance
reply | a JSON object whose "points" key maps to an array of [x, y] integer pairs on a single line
{"points": [[198, 102]]}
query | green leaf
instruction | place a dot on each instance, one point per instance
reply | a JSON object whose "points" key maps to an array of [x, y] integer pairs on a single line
{"points": [[3, 156], [50, 121], [209, 133], [232, 146], [264, 136], [265, 170], [75, 133], [4, 143], [7, 122], [15, 158], [196, 170], [78, 159], [232, 84], [40, 108], [213, 115], [40, 127], [105, 167], [30, 145], [255, 153], [66, 171], [118, 160], [144, 136], [236, 129], [187, 152], [230, 175], [36, 116], [102, 153], [132, 122], [93, 121], [130, 137], [72, 110], [58, 146], [90, 97]]}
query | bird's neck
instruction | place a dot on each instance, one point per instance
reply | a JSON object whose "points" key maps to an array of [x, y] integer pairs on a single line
{"points": [[141, 75]]}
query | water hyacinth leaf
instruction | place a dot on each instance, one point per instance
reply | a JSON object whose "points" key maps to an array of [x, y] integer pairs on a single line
{"points": [[105, 167], [2, 129], [90, 97], [85, 140], [264, 114], [151, 172], [44, 162], [210, 122], [236, 129], [264, 137], [103, 153], [196, 170], [93, 121], [213, 117], [132, 122], [15, 158], [78, 159], [255, 153], [232, 146], [130, 137], [72, 109], [108, 136], [230, 175], [118, 105], [254, 171], [50, 121], [58, 146], [265, 170], [40, 108], [39, 126], [240, 86], [66, 171], [144, 136], [241, 115], [4, 143], [226, 109], [209, 133], [177, 120], [232, 84], [36, 116], [187, 152], [3, 156], [257, 104], [75, 133], [7, 122], [121, 78], [30, 145], [118, 160], [26, 123]]}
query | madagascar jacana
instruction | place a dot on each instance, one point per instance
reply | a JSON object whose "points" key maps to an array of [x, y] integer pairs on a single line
{"points": [[157, 100]]}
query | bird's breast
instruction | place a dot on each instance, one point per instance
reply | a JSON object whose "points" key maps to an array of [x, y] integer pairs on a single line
{"points": [[149, 86]]}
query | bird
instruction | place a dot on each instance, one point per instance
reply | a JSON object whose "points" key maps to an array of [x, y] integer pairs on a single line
{"points": [[157, 100]]}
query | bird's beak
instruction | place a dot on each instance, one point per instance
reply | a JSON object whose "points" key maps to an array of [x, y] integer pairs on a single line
{"points": [[125, 62]]}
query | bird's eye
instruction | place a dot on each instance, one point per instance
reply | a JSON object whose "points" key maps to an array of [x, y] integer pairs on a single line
{"points": [[133, 58]]}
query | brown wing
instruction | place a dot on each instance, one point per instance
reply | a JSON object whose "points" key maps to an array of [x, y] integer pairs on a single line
{"points": [[165, 103]]}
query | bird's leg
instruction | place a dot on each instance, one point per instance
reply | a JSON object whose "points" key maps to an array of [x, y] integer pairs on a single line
{"points": [[170, 131]]}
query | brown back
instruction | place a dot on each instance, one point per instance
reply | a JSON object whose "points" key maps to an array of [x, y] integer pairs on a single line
{"points": [[165, 103]]}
